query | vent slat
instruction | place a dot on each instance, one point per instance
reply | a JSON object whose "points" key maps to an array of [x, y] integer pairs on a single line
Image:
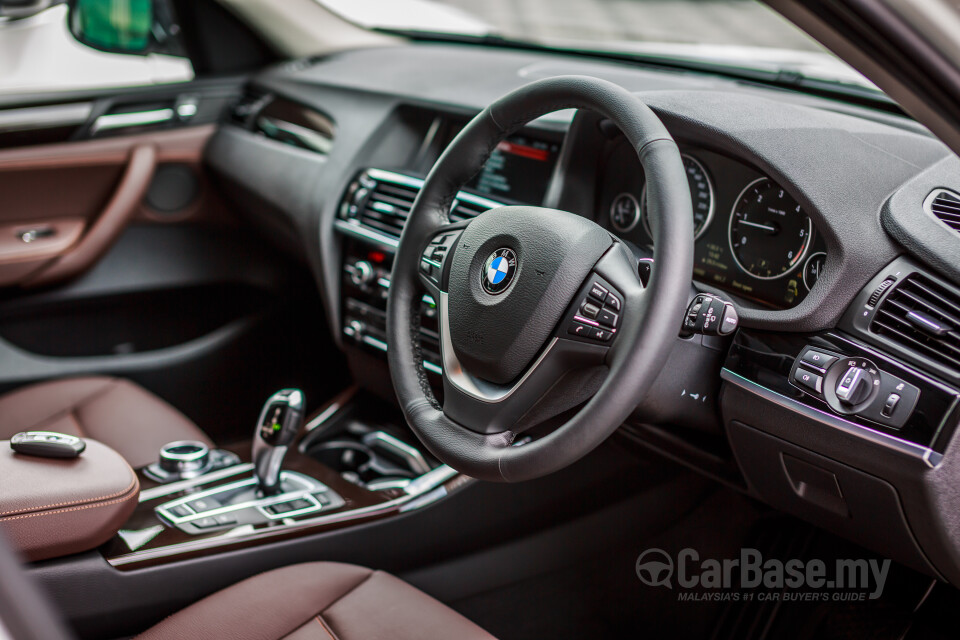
{"points": [[916, 345], [387, 200], [939, 299], [391, 200], [921, 295], [945, 206]]}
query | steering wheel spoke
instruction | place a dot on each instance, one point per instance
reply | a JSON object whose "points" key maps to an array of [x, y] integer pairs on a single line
{"points": [[485, 407]]}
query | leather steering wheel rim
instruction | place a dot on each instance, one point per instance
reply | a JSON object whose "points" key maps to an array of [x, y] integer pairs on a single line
{"points": [[651, 317]]}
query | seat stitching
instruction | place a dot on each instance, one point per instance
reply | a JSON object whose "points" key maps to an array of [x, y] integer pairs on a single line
{"points": [[112, 382], [76, 419], [344, 595], [133, 482], [325, 627], [75, 409], [59, 511]]}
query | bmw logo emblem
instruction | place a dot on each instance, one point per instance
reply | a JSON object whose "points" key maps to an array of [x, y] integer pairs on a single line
{"points": [[498, 271]]}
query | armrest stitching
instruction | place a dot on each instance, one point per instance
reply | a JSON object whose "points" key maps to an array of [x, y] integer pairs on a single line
{"points": [[133, 482], [59, 511]]}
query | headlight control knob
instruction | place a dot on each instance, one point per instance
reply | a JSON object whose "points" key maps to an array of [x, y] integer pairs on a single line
{"points": [[854, 386]]}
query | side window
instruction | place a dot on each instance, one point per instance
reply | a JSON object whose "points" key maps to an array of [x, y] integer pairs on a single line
{"points": [[41, 55]]}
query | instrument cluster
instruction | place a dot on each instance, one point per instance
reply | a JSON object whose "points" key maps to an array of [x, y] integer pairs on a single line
{"points": [[752, 238]]}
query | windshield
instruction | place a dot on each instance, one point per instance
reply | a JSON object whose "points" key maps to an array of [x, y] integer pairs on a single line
{"points": [[737, 33]]}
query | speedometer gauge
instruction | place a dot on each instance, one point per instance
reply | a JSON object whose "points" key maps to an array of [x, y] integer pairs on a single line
{"points": [[769, 232], [701, 196]]}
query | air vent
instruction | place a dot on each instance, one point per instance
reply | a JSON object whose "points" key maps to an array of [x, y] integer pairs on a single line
{"points": [[381, 201], [467, 207], [924, 317], [387, 207], [945, 206], [248, 106]]}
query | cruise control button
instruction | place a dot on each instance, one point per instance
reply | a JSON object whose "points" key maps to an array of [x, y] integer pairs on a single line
{"points": [[818, 359], [608, 318], [809, 380], [598, 292], [590, 310], [613, 302]]}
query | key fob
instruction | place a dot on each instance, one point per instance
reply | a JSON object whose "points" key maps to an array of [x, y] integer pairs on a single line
{"points": [[47, 444]]}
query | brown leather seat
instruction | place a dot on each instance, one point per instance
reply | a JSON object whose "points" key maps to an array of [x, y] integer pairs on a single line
{"points": [[318, 601], [117, 412]]}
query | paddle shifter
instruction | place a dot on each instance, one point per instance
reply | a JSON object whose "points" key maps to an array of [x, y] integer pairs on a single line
{"points": [[279, 424]]}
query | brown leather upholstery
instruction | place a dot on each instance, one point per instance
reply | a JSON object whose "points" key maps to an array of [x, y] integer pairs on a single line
{"points": [[318, 601], [51, 508], [114, 411]]}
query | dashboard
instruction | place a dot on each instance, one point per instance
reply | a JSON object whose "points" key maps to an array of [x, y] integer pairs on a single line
{"points": [[822, 222]]}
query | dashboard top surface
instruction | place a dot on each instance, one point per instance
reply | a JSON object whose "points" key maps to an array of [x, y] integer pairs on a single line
{"points": [[838, 162]]}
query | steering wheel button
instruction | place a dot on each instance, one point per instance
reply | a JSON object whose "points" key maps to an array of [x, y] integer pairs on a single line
{"points": [[598, 292], [608, 318], [580, 329], [602, 334], [808, 379], [590, 310], [613, 302]]}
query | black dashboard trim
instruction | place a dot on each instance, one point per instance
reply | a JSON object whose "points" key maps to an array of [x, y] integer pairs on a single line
{"points": [[925, 455]]}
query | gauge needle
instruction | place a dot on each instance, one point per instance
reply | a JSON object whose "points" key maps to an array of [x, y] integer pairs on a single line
{"points": [[756, 225]]}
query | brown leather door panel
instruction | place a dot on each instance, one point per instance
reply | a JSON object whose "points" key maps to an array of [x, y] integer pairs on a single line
{"points": [[73, 199]]}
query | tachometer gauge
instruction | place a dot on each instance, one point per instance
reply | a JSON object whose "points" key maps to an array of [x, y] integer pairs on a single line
{"points": [[701, 196], [769, 232]]}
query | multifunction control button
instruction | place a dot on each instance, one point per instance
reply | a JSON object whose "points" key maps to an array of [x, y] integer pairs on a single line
{"points": [[711, 316], [431, 260], [597, 315]]}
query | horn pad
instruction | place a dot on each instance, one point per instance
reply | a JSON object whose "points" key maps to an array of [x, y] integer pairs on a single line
{"points": [[514, 272]]}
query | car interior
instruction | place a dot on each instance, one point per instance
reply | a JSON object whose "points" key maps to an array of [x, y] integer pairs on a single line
{"points": [[366, 331]]}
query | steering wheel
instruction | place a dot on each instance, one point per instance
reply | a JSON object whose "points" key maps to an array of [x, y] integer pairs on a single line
{"points": [[540, 310]]}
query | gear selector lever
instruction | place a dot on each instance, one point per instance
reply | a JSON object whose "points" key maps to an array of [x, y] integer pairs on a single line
{"points": [[279, 423]]}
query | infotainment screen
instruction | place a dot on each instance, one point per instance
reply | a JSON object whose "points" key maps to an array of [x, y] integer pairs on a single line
{"points": [[519, 169]]}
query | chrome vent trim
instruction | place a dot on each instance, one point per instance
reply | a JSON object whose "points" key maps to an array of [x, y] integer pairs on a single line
{"points": [[922, 316], [944, 205], [380, 201]]}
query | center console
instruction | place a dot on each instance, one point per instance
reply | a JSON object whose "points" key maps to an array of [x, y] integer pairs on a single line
{"points": [[347, 464]]}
